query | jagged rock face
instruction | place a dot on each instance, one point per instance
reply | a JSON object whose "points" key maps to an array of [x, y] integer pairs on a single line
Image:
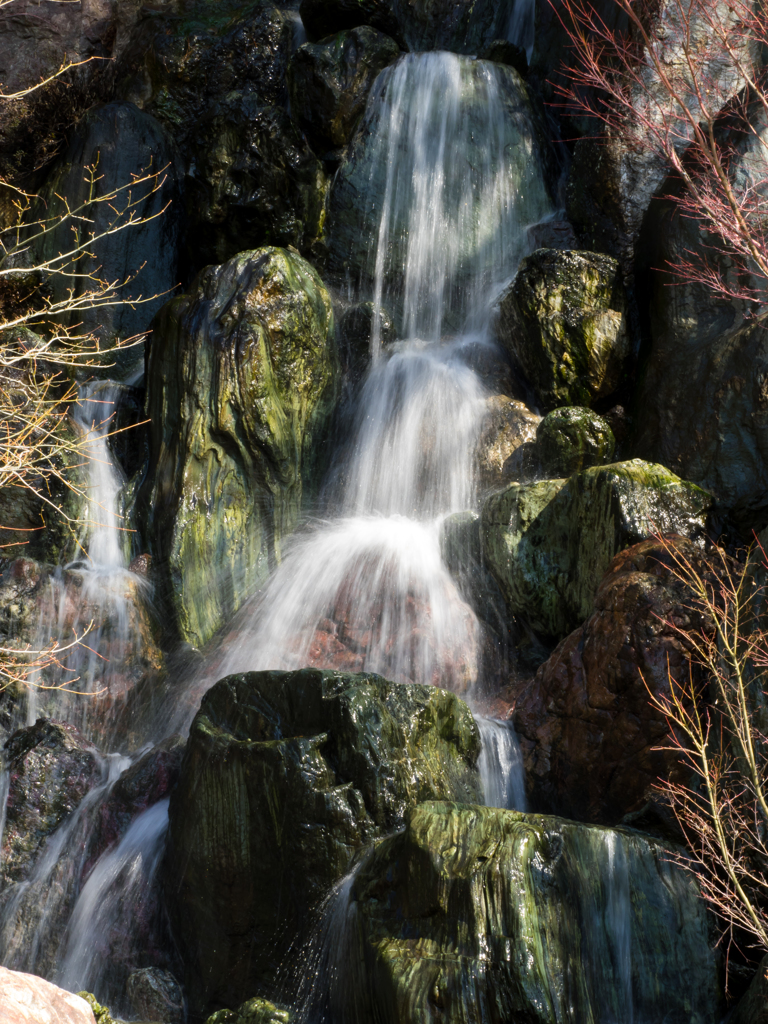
{"points": [[27, 999], [590, 737], [286, 775], [51, 768], [562, 320], [702, 405], [520, 917], [329, 83], [252, 181], [119, 141], [242, 376], [180, 68], [549, 543], [753, 1005]]}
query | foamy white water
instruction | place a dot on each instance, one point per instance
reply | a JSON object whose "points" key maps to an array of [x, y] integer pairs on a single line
{"points": [[501, 765]]}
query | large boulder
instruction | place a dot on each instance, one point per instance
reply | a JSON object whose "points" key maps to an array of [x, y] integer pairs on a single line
{"points": [[119, 142], [593, 744], [473, 913], [329, 83], [241, 380], [179, 68], [507, 425], [550, 542], [571, 439], [286, 776], [252, 180], [562, 321], [51, 767], [27, 999], [702, 404]]}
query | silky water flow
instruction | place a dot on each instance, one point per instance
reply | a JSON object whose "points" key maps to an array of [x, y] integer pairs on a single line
{"points": [[369, 579]]}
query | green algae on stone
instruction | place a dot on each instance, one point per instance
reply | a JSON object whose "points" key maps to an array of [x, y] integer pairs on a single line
{"points": [[571, 439], [286, 776], [474, 913], [562, 320], [549, 543], [242, 378], [254, 1011]]}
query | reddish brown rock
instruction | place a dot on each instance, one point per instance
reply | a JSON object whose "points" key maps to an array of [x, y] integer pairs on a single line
{"points": [[27, 999], [588, 731]]}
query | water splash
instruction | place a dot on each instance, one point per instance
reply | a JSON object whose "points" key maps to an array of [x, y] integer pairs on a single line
{"points": [[501, 765]]}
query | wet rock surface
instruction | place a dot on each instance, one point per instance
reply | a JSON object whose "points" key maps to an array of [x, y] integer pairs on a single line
{"points": [[465, 907], [329, 83], [508, 425], [305, 768], [571, 439], [752, 1008], [156, 995], [253, 1011], [27, 999], [252, 181], [51, 768], [590, 737], [242, 378], [549, 543], [562, 320]]}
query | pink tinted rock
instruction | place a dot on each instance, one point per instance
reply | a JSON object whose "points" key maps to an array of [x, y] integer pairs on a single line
{"points": [[27, 999]]}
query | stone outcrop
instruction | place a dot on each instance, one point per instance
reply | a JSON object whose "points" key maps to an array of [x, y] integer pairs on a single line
{"points": [[285, 777], [242, 378], [27, 999], [521, 917], [329, 83], [508, 424], [571, 439], [590, 737], [549, 543], [562, 321], [252, 180]]}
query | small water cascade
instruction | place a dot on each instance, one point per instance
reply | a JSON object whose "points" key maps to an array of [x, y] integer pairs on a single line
{"points": [[115, 900], [501, 765], [522, 25]]}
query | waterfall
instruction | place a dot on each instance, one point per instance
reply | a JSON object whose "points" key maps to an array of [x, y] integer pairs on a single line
{"points": [[367, 589], [501, 765], [522, 25]]}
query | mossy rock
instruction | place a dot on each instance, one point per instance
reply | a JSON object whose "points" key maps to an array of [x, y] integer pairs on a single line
{"points": [[101, 1013], [254, 1011], [549, 543], [286, 776], [242, 379], [571, 439], [474, 913], [562, 321]]}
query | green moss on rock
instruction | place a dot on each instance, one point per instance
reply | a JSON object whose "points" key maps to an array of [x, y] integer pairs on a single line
{"points": [[562, 320], [241, 381], [286, 776], [473, 913], [254, 1011], [549, 543], [571, 439]]}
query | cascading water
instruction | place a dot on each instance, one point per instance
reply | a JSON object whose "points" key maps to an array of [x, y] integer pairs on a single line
{"points": [[501, 765]]}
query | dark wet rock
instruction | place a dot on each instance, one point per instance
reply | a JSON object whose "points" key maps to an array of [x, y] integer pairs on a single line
{"points": [[322, 19], [51, 768], [27, 999], [517, 917], [141, 564], [119, 141], [329, 83], [466, 26], [504, 52], [156, 996], [702, 405], [552, 233], [356, 324], [752, 1008], [180, 68], [147, 781], [508, 424], [242, 378], [252, 181], [593, 745], [571, 439], [562, 320], [129, 443], [549, 543], [286, 775]]}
